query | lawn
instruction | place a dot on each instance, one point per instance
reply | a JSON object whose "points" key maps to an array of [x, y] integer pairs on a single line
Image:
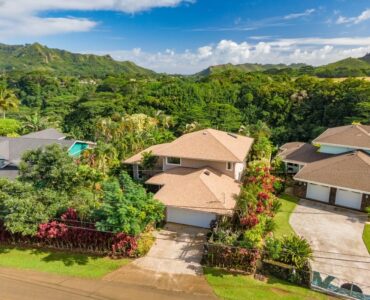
{"points": [[282, 218], [62, 263], [239, 287], [366, 236]]}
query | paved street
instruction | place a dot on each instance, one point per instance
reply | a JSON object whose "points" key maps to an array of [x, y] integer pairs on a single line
{"points": [[30, 285]]}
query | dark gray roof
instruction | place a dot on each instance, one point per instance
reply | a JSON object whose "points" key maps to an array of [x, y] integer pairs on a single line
{"points": [[49, 133], [301, 153], [12, 149], [10, 172]]}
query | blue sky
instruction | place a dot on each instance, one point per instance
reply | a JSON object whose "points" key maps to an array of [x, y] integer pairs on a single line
{"points": [[186, 36]]}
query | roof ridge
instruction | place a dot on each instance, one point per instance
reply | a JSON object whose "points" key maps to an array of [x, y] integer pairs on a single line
{"points": [[362, 129], [214, 137], [207, 187], [363, 156]]}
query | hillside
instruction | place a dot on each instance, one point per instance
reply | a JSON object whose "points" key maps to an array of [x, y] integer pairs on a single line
{"points": [[355, 67], [248, 67], [32, 57]]}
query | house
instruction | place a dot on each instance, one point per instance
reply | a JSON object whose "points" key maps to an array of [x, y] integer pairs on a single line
{"points": [[197, 175], [12, 148], [334, 169]]}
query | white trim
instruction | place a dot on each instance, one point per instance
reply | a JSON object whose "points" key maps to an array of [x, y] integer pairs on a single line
{"points": [[294, 162], [334, 186], [338, 145], [171, 164], [232, 166]]}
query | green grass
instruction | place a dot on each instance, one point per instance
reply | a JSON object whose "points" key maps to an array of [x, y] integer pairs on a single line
{"points": [[282, 218], [366, 236], [239, 287], [62, 263]]}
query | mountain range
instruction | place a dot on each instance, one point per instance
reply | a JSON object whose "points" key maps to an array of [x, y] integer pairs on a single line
{"points": [[32, 57]]}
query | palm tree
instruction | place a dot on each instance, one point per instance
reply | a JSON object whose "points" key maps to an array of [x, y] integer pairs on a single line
{"points": [[8, 100], [35, 122]]}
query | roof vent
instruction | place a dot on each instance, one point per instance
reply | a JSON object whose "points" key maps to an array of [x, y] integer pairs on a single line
{"points": [[204, 132], [232, 135], [207, 173]]}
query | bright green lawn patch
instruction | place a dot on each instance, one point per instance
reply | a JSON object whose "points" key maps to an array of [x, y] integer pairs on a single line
{"points": [[239, 287], [282, 218], [366, 236], [62, 263]]}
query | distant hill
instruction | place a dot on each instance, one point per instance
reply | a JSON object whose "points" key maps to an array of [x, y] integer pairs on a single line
{"points": [[32, 57], [345, 68], [349, 67], [248, 67]]}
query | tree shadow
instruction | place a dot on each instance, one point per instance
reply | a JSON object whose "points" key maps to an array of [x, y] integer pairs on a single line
{"points": [[48, 255]]}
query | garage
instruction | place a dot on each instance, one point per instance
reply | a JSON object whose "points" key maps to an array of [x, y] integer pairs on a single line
{"points": [[348, 199], [318, 192], [189, 217]]}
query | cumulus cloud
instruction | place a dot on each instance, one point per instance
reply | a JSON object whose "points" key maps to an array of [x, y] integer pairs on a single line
{"points": [[313, 51], [365, 15], [21, 18]]}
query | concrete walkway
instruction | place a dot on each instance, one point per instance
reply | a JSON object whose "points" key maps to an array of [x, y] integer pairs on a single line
{"points": [[173, 263], [30, 285], [335, 235]]}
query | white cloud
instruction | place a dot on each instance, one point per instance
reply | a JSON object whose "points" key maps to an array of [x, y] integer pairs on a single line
{"points": [[365, 15], [306, 13], [313, 51], [21, 18]]}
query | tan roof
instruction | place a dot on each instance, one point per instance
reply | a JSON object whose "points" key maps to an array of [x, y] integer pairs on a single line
{"points": [[137, 157], [198, 189], [206, 144], [350, 170], [301, 153], [350, 135]]}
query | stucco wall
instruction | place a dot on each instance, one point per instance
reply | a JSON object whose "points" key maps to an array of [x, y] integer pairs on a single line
{"points": [[196, 164]]}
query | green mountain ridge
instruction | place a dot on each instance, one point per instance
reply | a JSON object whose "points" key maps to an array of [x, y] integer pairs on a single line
{"points": [[247, 67], [36, 57]]}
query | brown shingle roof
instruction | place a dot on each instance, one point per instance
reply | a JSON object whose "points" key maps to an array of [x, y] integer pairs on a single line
{"points": [[350, 170], [357, 136], [301, 153], [198, 189], [206, 144], [138, 156]]}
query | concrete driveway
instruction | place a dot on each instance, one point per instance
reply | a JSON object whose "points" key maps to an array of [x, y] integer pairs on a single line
{"points": [[178, 249], [172, 264], [335, 235]]}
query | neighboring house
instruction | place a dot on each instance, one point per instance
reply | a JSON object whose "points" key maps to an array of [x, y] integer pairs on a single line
{"points": [[12, 148], [335, 169], [198, 175]]}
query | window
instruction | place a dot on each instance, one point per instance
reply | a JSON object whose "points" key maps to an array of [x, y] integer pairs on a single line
{"points": [[173, 161], [229, 166]]}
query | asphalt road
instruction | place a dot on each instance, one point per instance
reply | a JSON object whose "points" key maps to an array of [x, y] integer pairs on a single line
{"points": [[14, 287]]}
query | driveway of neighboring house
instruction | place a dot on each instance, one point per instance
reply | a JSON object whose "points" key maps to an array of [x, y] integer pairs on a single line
{"points": [[173, 263], [335, 235]]}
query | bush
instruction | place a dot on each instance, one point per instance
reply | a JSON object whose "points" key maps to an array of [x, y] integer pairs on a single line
{"points": [[9, 127], [296, 251], [144, 243], [252, 239]]}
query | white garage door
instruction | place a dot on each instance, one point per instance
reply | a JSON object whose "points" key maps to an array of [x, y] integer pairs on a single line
{"points": [[318, 192], [189, 217], [348, 199]]}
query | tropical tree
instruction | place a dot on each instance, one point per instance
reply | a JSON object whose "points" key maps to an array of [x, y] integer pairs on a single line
{"points": [[35, 122], [8, 100]]}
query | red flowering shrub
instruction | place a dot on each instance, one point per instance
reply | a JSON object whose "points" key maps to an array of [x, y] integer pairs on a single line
{"points": [[250, 220]]}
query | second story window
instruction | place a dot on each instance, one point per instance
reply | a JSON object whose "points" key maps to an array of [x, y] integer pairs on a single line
{"points": [[173, 161], [229, 166]]}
